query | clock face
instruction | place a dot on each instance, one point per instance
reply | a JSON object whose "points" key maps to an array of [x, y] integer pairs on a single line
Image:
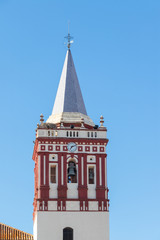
{"points": [[72, 147]]}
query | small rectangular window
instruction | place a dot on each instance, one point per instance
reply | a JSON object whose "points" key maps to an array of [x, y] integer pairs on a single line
{"points": [[53, 174], [91, 175]]}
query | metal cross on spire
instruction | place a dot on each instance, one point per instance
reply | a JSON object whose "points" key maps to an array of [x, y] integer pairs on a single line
{"points": [[69, 38]]}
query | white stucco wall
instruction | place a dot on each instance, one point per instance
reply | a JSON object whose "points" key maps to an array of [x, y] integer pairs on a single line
{"points": [[72, 191], [91, 191], [93, 206], [72, 205], [53, 191], [35, 227], [86, 225], [52, 205]]}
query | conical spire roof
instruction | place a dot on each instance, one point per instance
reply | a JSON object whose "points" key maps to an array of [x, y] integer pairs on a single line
{"points": [[69, 97], [69, 105]]}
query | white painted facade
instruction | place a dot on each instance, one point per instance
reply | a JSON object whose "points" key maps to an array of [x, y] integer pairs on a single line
{"points": [[85, 225]]}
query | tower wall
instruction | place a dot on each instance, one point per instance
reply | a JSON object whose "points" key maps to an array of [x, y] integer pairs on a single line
{"points": [[80, 205], [71, 193], [85, 225]]}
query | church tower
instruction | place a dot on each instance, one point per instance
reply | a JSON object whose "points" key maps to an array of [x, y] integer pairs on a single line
{"points": [[71, 194]]}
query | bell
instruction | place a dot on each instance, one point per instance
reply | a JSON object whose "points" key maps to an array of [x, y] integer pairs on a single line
{"points": [[71, 170]]}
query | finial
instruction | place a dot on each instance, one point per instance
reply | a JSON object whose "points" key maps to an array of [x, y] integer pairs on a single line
{"points": [[41, 118], [69, 38], [101, 121], [82, 122], [62, 122]]}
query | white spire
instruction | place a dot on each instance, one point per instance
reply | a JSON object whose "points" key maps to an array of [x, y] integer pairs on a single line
{"points": [[69, 103], [69, 97]]}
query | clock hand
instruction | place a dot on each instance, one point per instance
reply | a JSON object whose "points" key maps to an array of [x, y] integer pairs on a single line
{"points": [[73, 146]]}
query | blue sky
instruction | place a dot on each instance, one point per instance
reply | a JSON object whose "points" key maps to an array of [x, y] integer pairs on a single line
{"points": [[116, 52]]}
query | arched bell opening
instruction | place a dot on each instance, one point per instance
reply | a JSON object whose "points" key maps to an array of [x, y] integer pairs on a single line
{"points": [[72, 172], [67, 233]]}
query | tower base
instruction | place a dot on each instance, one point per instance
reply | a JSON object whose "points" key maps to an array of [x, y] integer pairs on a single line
{"points": [[85, 225]]}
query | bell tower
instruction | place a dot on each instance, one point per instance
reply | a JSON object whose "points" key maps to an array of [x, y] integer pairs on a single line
{"points": [[71, 194]]}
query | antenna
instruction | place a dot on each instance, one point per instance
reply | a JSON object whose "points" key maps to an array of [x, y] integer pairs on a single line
{"points": [[69, 38]]}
